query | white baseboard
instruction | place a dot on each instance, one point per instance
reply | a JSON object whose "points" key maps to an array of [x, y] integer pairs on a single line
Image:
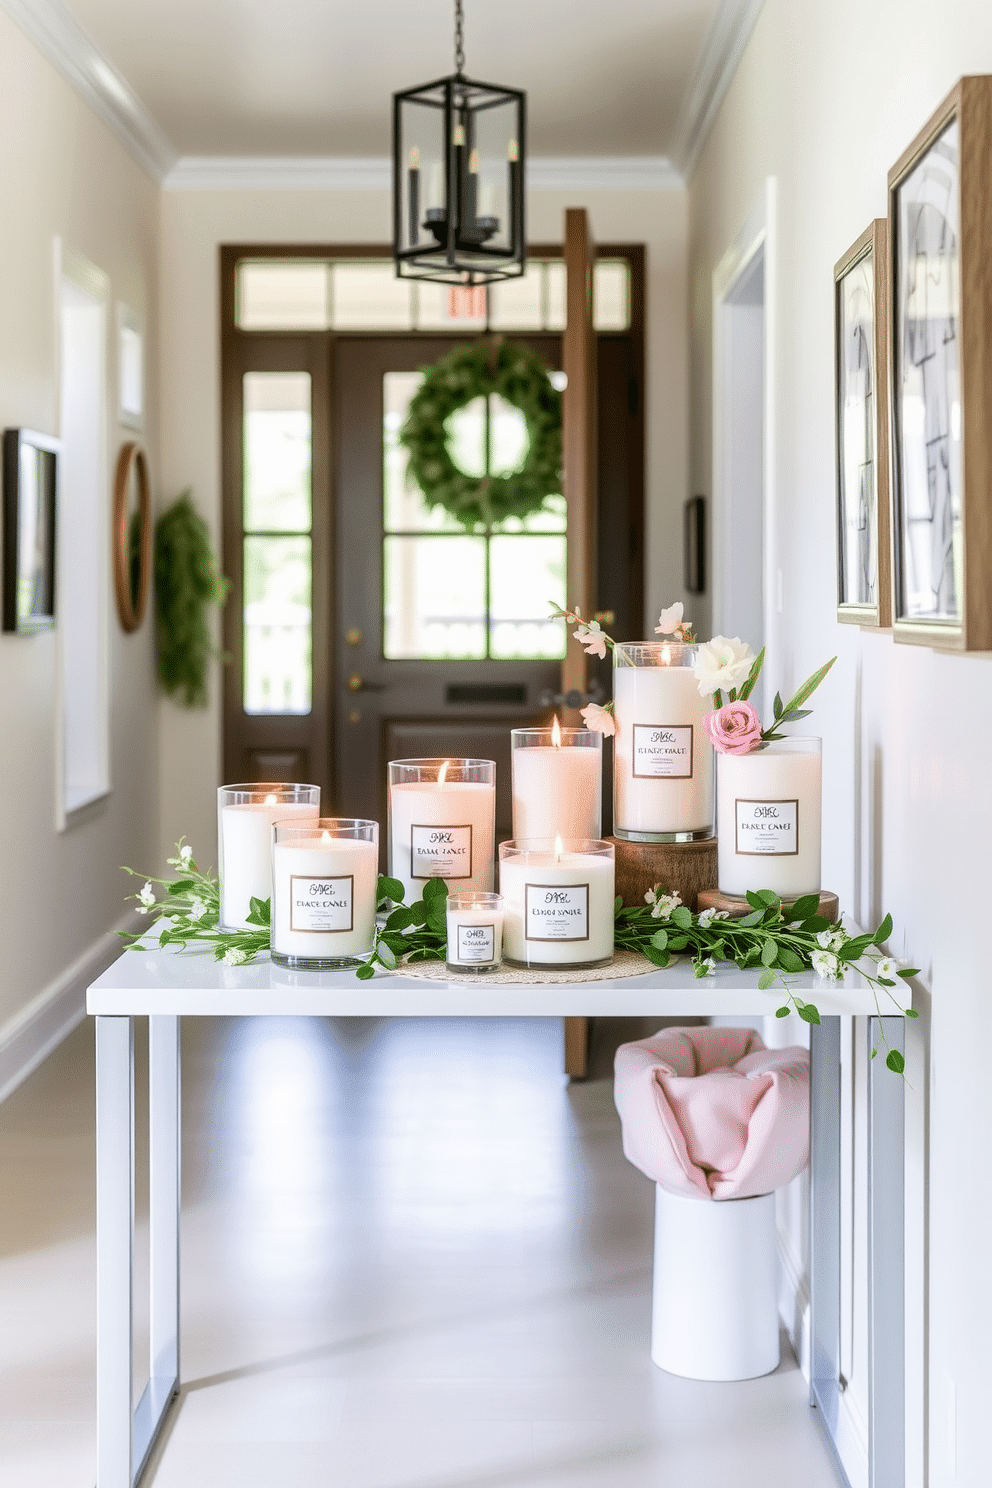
{"points": [[32, 1034]]}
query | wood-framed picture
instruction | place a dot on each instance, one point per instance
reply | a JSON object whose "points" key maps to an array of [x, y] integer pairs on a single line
{"points": [[30, 491], [940, 231], [861, 357]]}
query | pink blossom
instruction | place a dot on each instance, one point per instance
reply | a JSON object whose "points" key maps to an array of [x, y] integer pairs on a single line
{"points": [[592, 636], [600, 720], [733, 729]]}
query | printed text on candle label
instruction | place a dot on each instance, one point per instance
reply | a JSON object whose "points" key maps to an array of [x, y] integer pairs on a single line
{"points": [[556, 911], [476, 943], [440, 852], [768, 827], [321, 904], [662, 750]]}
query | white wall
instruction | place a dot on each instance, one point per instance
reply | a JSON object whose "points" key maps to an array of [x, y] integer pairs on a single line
{"points": [[194, 223], [827, 96], [63, 174]]}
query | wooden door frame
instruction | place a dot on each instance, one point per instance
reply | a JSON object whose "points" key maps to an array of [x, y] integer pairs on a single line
{"points": [[235, 345]]}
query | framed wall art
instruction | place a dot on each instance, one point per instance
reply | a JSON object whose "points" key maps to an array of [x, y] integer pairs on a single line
{"points": [[861, 400], [940, 228], [30, 488]]}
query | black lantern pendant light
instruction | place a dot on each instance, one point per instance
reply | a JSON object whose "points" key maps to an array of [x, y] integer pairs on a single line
{"points": [[458, 178]]}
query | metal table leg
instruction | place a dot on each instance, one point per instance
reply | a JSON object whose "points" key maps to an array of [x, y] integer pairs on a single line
{"points": [[886, 1267], [824, 1229], [125, 1432], [114, 1249]]}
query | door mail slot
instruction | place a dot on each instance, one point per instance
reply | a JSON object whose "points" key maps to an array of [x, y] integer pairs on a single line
{"points": [[485, 692]]}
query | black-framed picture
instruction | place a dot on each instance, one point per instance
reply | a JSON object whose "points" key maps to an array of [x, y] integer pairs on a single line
{"points": [[940, 217], [861, 400], [30, 498]]}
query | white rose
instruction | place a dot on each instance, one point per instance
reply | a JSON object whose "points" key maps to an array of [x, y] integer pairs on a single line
{"points": [[722, 664], [826, 965], [670, 620]]}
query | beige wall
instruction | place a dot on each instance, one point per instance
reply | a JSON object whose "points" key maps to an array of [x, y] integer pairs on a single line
{"points": [[828, 95], [62, 173], [195, 223]]}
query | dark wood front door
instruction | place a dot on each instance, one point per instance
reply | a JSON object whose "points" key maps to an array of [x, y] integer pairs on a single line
{"points": [[443, 638]]}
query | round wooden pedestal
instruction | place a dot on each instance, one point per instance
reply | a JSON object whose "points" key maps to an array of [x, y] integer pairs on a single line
{"points": [[737, 908], [685, 867]]}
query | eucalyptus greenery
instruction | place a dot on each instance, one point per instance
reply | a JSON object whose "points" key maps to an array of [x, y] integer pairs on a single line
{"points": [[660, 930], [187, 583], [190, 911], [765, 938], [519, 376]]}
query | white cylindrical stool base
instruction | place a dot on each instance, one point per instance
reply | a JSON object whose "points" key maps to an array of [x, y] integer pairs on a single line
{"points": [[715, 1302]]}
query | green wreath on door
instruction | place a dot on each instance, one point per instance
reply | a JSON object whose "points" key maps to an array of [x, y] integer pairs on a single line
{"points": [[521, 378]]}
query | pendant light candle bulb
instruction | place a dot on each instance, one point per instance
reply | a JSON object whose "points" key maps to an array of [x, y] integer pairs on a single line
{"points": [[473, 162], [458, 137], [415, 157], [513, 152]]}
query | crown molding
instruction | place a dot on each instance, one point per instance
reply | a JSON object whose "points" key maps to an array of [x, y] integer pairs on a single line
{"points": [[303, 173], [723, 48], [59, 37]]}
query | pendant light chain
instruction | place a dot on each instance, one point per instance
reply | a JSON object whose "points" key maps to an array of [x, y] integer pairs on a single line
{"points": [[459, 39]]}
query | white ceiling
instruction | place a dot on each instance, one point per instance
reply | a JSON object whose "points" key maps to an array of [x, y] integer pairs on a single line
{"points": [[314, 77]]}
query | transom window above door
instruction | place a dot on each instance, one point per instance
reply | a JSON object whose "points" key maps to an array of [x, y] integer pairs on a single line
{"points": [[275, 294], [451, 591]]}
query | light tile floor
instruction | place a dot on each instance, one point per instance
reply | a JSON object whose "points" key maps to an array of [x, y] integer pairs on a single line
{"points": [[414, 1257]]}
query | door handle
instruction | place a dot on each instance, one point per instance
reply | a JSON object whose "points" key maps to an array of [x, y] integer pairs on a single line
{"points": [[356, 683]]}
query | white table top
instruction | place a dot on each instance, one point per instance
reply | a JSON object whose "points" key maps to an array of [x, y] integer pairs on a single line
{"points": [[192, 983]]}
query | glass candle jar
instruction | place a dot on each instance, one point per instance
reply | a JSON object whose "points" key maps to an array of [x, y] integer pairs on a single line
{"points": [[442, 823], [662, 761], [558, 895], [475, 932], [768, 819], [324, 875], [557, 782], [245, 814]]}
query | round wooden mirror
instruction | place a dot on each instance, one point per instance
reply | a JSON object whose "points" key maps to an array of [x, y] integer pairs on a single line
{"points": [[132, 535]]}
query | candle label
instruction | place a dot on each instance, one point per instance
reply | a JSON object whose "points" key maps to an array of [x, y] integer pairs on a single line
{"points": [[767, 827], [663, 751], [321, 905], [475, 943], [440, 852], [556, 911]]}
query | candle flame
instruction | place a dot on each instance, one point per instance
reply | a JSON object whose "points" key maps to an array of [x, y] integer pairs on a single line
{"points": [[414, 157], [556, 733], [513, 150], [442, 774], [473, 162], [271, 800], [559, 848], [325, 835], [666, 655], [458, 136]]}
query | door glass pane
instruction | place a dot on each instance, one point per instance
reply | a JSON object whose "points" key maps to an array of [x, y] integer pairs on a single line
{"points": [[611, 295], [524, 574], [555, 291], [277, 440], [404, 507], [518, 304], [367, 296], [434, 597], [277, 646], [281, 295]]}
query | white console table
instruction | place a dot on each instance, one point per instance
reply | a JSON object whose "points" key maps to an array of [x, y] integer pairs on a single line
{"points": [[164, 986]]}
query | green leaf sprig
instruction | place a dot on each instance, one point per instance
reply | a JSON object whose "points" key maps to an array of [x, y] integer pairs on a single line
{"points": [[765, 938], [411, 932], [790, 712], [190, 911]]}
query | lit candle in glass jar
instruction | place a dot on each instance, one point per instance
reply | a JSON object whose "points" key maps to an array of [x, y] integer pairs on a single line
{"points": [[768, 819], [245, 814], [663, 761], [324, 876], [557, 782], [559, 897], [442, 823]]}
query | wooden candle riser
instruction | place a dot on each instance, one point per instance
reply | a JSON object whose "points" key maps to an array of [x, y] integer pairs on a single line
{"points": [[683, 867]]}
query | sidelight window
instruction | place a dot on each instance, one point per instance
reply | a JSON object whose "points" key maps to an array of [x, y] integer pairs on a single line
{"points": [[277, 543]]}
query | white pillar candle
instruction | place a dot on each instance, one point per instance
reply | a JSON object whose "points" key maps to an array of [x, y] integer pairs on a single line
{"points": [[559, 902], [768, 819], [442, 823], [323, 891], [475, 932], [557, 782], [663, 761], [245, 814]]}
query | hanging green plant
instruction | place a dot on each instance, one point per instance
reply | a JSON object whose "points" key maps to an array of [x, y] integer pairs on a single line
{"points": [[520, 377], [187, 583]]}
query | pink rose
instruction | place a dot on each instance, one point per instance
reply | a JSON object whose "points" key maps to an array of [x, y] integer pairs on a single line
{"points": [[733, 729]]}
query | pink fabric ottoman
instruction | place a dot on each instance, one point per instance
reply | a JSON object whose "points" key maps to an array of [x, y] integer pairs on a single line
{"points": [[710, 1113]]}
